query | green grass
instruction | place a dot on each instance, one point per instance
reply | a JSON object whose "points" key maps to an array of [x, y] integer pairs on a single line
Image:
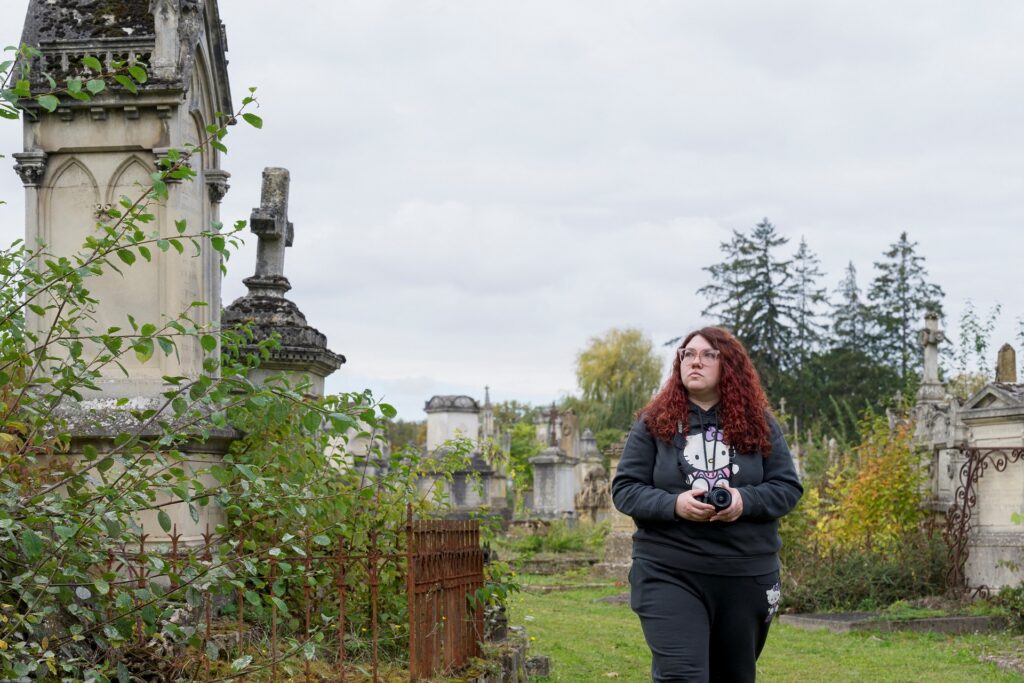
{"points": [[592, 641]]}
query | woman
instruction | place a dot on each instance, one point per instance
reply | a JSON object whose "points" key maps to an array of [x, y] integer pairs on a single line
{"points": [[705, 579]]}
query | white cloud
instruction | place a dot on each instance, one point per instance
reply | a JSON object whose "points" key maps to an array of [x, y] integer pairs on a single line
{"points": [[479, 187]]}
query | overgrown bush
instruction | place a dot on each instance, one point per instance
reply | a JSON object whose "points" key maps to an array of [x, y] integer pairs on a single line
{"points": [[862, 579], [858, 539], [70, 521], [559, 537], [1012, 599]]}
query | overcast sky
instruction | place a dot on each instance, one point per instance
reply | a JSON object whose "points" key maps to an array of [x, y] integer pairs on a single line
{"points": [[479, 187]]}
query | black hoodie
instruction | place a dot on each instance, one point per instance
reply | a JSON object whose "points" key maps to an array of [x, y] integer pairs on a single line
{"points": [[652, 473]]}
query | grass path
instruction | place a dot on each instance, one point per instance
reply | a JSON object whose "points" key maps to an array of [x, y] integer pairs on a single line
{"points": [[593, 641]]}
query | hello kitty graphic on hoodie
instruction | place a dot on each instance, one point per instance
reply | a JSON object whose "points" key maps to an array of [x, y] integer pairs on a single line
{"points": [[707, 460]]}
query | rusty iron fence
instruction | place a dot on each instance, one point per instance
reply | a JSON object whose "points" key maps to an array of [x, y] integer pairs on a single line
{"points": [[442, 563], [446, 563], [957, 533]]}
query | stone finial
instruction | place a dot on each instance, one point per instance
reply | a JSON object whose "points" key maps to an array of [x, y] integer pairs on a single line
{"points": [[275, 233], [1006, 365], [929, 337], [552, 429], [588, 447], [165, 24]]}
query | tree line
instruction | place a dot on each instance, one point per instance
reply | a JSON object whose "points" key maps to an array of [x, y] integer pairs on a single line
{"points": [[828, 355]]}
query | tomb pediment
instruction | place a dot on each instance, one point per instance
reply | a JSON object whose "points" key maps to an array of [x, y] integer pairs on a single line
{"points": [[996, 395]]}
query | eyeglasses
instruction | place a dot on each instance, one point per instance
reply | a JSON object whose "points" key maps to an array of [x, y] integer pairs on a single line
{"points": [[689, 356]]}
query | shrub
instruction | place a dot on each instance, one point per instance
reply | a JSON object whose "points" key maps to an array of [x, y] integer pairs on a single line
{"points": [[66, 607], [857, 540], [560, 537], [862, 579]]}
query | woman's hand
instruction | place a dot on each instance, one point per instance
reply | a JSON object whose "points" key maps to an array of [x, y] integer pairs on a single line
{"points": [[689, 506], [731, 513]]}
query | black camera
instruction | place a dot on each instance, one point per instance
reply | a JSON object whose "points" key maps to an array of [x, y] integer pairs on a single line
{"points": [[719, 497]]}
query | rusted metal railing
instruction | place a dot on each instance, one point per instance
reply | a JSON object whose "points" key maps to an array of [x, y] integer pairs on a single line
{"points": [[445, 563], [442, 562]]}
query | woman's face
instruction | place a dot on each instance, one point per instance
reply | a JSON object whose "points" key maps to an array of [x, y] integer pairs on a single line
{"points": [[700, 375]]}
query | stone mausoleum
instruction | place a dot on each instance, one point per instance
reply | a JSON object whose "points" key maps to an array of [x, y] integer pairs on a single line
{"points": [[976, 455], [80, 160], [459, 417]]}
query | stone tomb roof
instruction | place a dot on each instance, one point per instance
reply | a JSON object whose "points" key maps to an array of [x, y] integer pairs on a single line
{"points": [[452, 404], [49, 21], [165, 35]]}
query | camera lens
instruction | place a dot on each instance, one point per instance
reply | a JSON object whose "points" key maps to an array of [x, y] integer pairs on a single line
{"points": [[720, 498]]}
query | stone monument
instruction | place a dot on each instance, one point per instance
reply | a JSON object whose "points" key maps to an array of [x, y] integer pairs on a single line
{"points": [[994, 421], [976, 453], [303, 356], [618, 546], [450, 417], [593, 492], [937, 422], [78, 162], [554, 480]]}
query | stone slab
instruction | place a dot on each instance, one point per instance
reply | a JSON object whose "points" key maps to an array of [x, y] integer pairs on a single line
{"points": [[869, 621]]}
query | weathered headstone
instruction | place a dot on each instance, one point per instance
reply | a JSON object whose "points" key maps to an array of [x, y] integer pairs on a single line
{"points": [[991, 421]]}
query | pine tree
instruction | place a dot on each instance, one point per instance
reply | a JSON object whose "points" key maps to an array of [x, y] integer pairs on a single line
{"points": [[808, 331], [849, 376], [753, 294], [727, 280], [850, 317], [900, 297]]}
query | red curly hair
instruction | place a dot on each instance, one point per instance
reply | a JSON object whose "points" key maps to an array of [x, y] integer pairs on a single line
{"points": [[743, 403]]}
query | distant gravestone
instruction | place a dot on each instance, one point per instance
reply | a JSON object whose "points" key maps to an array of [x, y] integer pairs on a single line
{"points": [[478, 486], [554, 480], [929, 338]]}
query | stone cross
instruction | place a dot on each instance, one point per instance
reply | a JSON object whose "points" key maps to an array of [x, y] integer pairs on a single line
{"points": [[273, 229], [930, 337], [1006, 365]]}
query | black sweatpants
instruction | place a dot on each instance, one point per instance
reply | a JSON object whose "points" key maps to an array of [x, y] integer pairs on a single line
{"points": [[702, 627]]}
